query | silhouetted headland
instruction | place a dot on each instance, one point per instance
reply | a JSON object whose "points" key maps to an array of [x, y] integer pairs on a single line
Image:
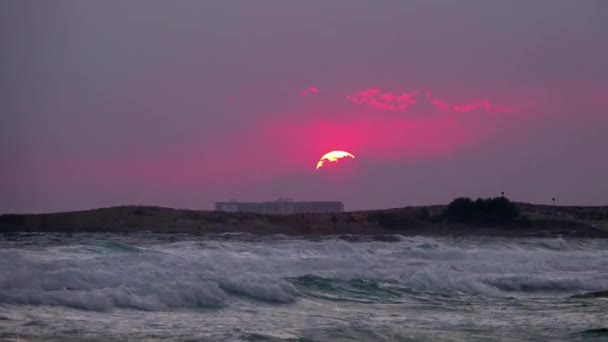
{"points": [[462, 217]]}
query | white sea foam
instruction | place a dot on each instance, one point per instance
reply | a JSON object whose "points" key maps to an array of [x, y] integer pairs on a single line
{"points": [[263, 289], [204, 273]]}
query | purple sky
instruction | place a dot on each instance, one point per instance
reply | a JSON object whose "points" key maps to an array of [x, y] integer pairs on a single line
{"points": [[182, 103]]}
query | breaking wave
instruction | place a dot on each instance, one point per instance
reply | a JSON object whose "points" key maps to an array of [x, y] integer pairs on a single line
{"points": [[100, 274]]}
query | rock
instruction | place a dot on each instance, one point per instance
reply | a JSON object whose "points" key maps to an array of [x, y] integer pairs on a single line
{"points": [[599, 333], [597, 294]]}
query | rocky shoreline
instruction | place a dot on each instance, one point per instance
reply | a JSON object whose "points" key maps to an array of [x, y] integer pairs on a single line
{"points": [[402, 221]]}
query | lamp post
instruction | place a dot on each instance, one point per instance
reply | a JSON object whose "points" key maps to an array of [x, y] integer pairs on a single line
{"points": [[553, 210]]}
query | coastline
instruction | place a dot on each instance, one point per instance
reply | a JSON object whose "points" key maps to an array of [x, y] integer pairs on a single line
{"points": [[409, 221]]}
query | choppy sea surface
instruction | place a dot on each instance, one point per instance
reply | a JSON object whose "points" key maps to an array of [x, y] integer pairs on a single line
{"points": [[105, 287]]}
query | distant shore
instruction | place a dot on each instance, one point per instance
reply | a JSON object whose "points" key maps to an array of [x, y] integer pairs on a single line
{"points": [[537, 221]]}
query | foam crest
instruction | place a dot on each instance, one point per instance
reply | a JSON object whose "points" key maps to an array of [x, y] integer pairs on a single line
{"points": [[143, 275], [152, 298], [266, 290]]}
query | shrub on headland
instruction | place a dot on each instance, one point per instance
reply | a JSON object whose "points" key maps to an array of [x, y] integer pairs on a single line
{"points": [[489, 210]]}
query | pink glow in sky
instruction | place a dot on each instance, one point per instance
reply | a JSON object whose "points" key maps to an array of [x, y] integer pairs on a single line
{"points": [[384, 101], [182, 104], [387, 101], [310, 90]]}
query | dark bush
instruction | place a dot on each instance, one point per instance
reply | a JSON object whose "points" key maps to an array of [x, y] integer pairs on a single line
{"points": [[460, 210], [490, 210]]}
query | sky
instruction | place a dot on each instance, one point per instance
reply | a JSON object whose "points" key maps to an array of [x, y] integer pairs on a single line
{"points": [[184, 103]]}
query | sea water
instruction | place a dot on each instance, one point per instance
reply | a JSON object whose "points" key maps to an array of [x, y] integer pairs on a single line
{"points": [[236, 287]]}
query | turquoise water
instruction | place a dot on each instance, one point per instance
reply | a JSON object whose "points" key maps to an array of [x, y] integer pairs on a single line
{"points": [[245, 288]]}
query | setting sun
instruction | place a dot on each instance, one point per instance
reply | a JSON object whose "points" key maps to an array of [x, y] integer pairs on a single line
{"points": [[332, 157]]}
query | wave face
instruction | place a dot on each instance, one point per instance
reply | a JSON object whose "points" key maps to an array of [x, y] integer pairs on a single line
{"points": [[110, 274]]}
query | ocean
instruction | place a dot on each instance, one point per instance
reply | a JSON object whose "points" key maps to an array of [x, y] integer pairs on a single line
{"points": [[239, 287]]}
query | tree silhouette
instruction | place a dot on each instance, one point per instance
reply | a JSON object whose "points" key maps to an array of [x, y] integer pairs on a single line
{"points": [[490, 210]]}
